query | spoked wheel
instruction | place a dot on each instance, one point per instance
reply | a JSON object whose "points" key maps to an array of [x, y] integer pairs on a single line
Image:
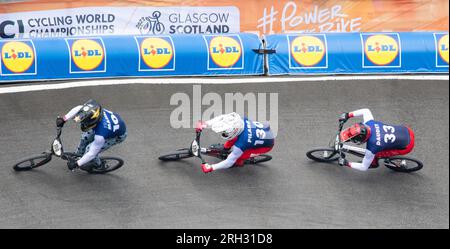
{"points": [[108, 164], [180, 154], [323, 155], [33, 162], [258, 159], [403, 164]]}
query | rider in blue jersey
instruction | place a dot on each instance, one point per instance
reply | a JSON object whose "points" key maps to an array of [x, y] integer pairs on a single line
{"points": [[101, 129], [244, 137], [382, 140]]}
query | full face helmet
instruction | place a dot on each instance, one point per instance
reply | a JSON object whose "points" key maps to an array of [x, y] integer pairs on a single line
{"points": [[357, 133], [228, 126], [90, 115]]}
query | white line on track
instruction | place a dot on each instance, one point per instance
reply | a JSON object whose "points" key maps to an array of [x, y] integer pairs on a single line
{"points": [[108, 82]]}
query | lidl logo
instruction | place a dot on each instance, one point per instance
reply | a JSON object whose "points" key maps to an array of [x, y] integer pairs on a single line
{"points": [[381, 50], [441, 50], [224, 52], [156, 53], [308, 51], [87, 55], [17, 58]]}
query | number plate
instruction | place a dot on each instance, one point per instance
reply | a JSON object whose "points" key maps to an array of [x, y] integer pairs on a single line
{"points": [[57, 147], [195, 148]]}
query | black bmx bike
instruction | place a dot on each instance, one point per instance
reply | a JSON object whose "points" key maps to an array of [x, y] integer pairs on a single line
{"points": [[108, 164], [337, 149], [215, 150]]}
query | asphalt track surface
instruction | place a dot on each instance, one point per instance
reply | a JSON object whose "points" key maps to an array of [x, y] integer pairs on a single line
{"points": [[288, 192]]}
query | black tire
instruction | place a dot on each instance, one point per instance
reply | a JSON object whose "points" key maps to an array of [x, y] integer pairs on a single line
{"points": [[258, 159], [318, 155], [402, 164], [180, 154], [108, 164], [33, 162]]}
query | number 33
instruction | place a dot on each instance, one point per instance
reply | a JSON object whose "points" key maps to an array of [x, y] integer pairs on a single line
{"points": [[389, 137]]}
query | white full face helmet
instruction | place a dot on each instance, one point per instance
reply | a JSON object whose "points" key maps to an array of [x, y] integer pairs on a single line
{"points": [[228, 126]]}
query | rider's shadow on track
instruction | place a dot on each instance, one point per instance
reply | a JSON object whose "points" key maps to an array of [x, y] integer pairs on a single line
{"points": [[73, 186], [381, 181], [241, 181]]}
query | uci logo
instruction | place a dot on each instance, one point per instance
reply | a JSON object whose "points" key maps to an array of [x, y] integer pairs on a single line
{"points": [[87, 55], [225, 51], [443, 48], [381, 50], [156, 53], [18, 57], [308, 51], [10, 28]]}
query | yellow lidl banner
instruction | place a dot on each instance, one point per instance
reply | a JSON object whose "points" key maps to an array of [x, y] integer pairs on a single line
{"points": [[64, 18]]}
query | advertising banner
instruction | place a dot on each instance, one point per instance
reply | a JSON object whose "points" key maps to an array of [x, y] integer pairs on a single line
{"points": [[64, 18], [358, 53], [130, 56], [92, 21]]}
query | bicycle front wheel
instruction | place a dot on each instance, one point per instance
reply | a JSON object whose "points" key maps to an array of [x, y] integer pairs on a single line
{"points": [[180, 154], [323, 155], [33, 162], [403, 164]]}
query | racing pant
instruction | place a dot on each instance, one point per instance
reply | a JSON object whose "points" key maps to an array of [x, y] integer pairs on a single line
{"points": [[251, 153], [88, 137], [391, 153], [248, 153]]}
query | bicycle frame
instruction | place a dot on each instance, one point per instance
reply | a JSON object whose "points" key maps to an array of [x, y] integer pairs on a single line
{"points": [[197, 151]]}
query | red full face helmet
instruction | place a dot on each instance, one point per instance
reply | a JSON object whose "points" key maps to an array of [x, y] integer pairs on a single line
{"points": [[357, 133]]}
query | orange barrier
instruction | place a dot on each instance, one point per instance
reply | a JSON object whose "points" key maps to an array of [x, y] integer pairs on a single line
{"points": [[280, 16]]}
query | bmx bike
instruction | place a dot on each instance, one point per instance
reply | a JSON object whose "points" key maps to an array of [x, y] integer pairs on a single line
{"points": [[337, 149], [215, 150], [108, 164]]}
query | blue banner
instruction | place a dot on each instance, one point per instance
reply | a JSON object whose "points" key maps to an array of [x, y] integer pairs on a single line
{"points": [[358, 53], [130, 56]]}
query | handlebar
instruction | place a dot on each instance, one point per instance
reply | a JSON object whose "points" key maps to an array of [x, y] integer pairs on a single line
{"points": [[57, 140], [341, 125], [195, 146], [339, 147], [58, 132]]}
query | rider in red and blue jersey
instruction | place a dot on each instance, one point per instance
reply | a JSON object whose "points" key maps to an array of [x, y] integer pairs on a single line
{"points": [[382, 140], [244, 137]]}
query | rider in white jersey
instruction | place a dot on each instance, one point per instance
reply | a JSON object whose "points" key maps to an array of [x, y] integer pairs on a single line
{"points": [[101, 129], [244, 137]]}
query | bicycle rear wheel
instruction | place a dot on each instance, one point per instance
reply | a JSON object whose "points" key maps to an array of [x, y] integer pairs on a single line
{"points": [[33, 162], [402, 164], [180, 154], [323, 155], [108, 164], [258, 159]]}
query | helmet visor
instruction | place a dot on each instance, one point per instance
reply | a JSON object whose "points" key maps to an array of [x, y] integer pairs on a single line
{"points": [[82, 115], [351, 132], [225, 135]]}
